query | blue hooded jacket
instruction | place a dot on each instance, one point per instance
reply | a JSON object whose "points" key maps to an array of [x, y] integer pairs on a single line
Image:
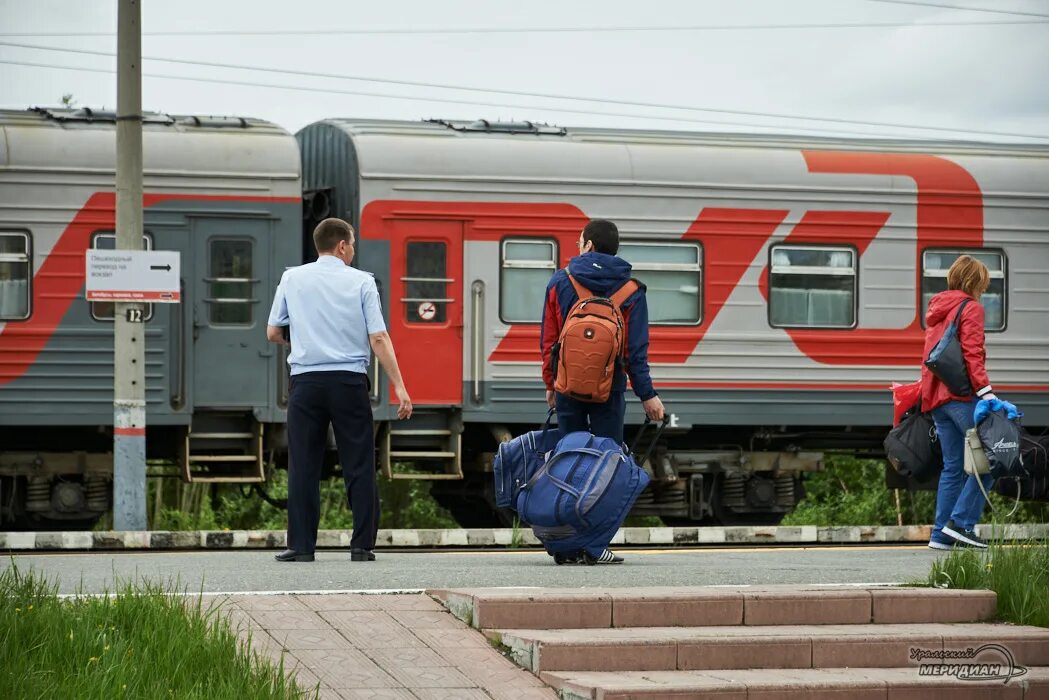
{"points": [[601, 274]]}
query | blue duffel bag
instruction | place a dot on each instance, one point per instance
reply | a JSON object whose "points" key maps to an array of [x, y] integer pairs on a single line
{"points": [[578, 499], [518, 459]]}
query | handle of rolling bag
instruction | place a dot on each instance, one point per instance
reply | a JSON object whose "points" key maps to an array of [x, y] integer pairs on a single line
{"points": [[655, 438]]}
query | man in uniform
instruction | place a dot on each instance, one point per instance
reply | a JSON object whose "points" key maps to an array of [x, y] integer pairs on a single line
{"points": [[335, 318]]}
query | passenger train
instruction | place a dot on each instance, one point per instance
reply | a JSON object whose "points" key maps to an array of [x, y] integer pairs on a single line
{"points": [[787, 279]]}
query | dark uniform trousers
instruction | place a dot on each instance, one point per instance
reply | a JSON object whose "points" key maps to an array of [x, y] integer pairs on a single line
{"points": [[341, 399], [601, 419]]}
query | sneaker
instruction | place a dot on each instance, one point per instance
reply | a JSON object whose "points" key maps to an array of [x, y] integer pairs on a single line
{"points": [[607, 557], [966, 537], [561, 558], [937, 544]]}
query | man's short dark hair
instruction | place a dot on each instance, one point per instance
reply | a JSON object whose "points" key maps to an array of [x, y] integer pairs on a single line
{"points": [[328, 234], [604, 235]]}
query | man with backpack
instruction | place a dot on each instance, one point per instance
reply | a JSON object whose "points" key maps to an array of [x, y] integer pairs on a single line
{"points": [[594, 334]]}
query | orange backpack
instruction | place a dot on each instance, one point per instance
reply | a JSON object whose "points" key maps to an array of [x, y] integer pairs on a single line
{"points": [[591, 344]]}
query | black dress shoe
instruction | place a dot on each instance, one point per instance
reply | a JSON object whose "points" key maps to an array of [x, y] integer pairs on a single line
{"points": [[362, 555], [292, 555]]}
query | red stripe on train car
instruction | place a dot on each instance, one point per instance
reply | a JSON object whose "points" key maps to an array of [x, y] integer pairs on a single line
{"points": [[60, 279], [130, 432], [814, 385]]}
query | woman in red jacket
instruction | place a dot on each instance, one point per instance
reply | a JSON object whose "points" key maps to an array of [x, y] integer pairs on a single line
{"points": [[959, 500]]}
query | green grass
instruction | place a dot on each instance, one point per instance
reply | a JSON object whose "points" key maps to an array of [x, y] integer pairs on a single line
{"points": [[851, 491], [1017, 572], [142, 642]]}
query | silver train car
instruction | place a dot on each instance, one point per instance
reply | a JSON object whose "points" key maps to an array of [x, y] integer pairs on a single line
{"points": [[226, 194], [786, 277]]}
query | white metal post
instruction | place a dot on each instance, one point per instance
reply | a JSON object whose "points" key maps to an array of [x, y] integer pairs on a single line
{"points": [[129, 385]]}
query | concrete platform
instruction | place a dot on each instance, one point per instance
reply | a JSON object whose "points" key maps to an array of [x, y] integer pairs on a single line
{"points": [[493, 537]]}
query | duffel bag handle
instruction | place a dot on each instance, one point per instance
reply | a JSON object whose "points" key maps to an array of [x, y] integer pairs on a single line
{"points": [[655, 438]]}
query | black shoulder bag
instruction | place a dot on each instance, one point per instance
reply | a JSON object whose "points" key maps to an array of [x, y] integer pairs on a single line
{"points": [[946, 360]]}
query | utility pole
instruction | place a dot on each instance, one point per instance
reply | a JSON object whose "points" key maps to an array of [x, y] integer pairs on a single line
{"points": [[129, 377]]}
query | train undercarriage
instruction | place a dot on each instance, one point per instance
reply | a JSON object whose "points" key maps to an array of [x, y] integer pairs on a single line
{"points": [[728, 476]]}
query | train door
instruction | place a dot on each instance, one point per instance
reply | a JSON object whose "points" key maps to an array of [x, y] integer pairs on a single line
{"points": [[426, 309], [230, 351]]}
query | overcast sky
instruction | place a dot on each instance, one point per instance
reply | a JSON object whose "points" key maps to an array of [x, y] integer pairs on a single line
{"points": [[986, 71]]}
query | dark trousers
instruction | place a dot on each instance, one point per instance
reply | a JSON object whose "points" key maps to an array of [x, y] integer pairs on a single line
{"points": [[601, 419], [341, 399]]}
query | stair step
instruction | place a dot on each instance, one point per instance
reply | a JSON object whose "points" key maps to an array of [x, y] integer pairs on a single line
{"points": [[838, 683], [414, 433], [421, 454], [424, 476], [702, 607], [221, 436], [222, 458], [775, 646]]}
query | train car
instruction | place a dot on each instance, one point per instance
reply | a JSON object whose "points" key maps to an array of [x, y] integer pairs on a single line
{"points": [[225, 192], [787, 281]]}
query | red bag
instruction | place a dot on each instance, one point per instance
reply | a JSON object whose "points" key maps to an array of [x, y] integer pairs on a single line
{"points": [[904, 398]]}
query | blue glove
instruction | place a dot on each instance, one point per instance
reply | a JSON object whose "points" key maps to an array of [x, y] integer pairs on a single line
{"points": [[985, 406]]}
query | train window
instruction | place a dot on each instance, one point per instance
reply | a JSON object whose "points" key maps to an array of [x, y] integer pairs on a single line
{"points": [[935, 264], [426, 283], [16, 275], [527, 265], [673, 274], [230, 299], [812, 286], [103, 310]]}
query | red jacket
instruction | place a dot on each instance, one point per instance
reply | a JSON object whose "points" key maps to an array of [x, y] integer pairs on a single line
{"points": [[942, 309]]}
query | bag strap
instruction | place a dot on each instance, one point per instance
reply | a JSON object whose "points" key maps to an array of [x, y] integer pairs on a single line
{"points": [[624, 292], [581, 291], [958, 316]]}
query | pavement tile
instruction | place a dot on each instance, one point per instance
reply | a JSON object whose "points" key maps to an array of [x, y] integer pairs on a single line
{"points": [[430, 677], [514, 692], [375, 694], [239, 619], [267, 602], [345, 668], [372, 630], [498, 674], [263, 644], [298, 639], [288, 620], [418, 619], [448, 638], [415, 601], [473, 656], [394, 658], [450, 694], [339, 601]]}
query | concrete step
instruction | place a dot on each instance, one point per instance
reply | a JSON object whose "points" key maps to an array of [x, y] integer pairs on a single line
{"points": [[769, 647], [811, 684], [713, 606]]}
